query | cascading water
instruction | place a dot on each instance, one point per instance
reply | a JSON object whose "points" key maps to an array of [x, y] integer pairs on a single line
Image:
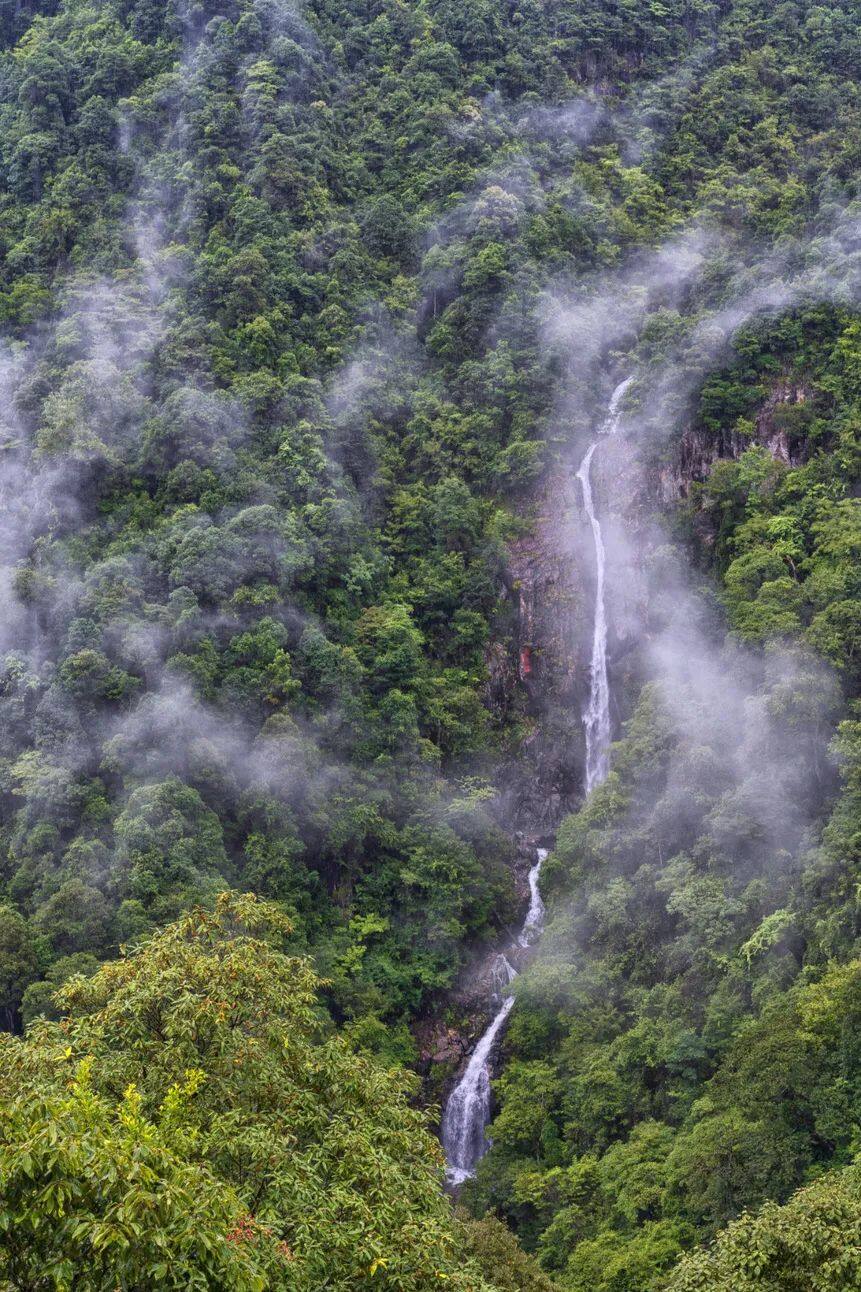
{"points": [[503, 972], [535, 914], [467, 1111], [596, 718]]}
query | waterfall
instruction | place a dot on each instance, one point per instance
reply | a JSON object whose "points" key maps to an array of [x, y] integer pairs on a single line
{"points": [[503, 973], [467, 1110], [535, 914], [596, 717]]}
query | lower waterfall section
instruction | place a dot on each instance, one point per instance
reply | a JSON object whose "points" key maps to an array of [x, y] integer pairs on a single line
{"points": [[467, 1109]]}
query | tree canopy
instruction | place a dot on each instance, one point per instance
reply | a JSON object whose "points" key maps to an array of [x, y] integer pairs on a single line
{"points": [[191, 1121]]}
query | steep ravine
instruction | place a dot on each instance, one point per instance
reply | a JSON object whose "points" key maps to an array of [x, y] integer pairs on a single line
{"points": [[467, 1104], [561, 648], [540, 675]]}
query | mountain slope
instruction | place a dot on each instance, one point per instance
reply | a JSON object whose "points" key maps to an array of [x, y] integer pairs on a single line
{"points": [[308, 313]]}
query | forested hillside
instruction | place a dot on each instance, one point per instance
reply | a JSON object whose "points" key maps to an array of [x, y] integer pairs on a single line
{"points": [[307, 311]]}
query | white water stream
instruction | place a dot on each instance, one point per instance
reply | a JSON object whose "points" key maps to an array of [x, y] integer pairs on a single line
{"points": [[596, 716], [467, 1111], [535, 915]]}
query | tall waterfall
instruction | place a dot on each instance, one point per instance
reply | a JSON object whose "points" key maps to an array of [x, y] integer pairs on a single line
{"points": [[596, 718], [467, 1110]]}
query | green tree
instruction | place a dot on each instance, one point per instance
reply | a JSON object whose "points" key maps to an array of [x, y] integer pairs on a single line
{"points": [[811, 1244], [205, 1077]]}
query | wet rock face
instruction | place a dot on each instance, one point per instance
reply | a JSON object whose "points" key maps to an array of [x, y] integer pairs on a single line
{"points": [[546, 671], [772, 429], [443, 1043], [446, 1042], [541, 675], [549, 589]]}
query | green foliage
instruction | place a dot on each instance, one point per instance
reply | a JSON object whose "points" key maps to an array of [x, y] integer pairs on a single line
{"points": [[495, 1251], [787, 533], [190, 1123], [666, 1068], [810, 1243], [271, 287], [81, 1176], [303, 395]]}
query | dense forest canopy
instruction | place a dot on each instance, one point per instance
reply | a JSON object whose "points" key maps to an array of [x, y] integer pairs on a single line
{"points": [[304, 308]]}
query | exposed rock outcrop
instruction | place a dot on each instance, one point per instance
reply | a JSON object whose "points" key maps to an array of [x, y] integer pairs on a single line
{"points": [[698, 448]]}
